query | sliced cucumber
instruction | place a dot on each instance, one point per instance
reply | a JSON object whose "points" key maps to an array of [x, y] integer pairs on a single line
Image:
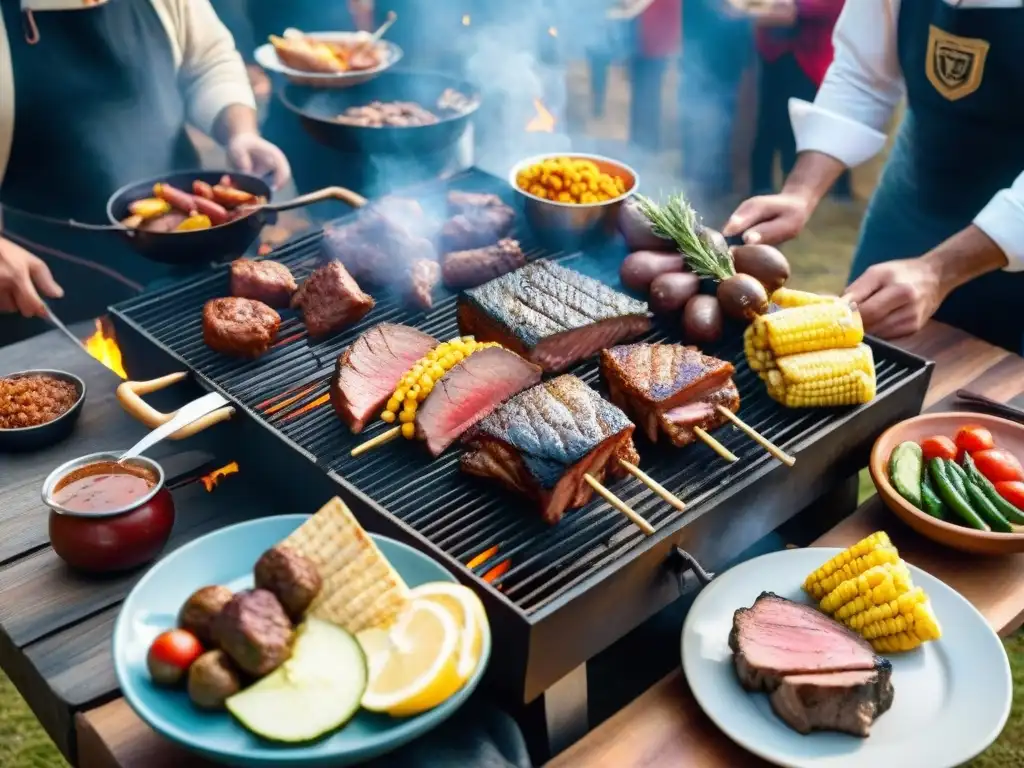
{"points": [[905, 466], [316, 691]]}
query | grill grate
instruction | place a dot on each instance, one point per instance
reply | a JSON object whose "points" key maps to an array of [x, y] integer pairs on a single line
{"points": [[476, 522]]}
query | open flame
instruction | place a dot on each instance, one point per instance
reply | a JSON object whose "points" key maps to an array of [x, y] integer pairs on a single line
{"points": [[543, 121], [210, 481], [465, 20], [498, 570], [103, 346]]}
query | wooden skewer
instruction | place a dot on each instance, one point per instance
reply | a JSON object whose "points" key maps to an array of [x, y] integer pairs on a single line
{"points": [[716, 446], [620, 505], [653, 484], [383, 437], [757, 437]]}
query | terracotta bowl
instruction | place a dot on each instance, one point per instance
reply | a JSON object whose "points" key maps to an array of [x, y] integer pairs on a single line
{"points": [[1007, 434]]}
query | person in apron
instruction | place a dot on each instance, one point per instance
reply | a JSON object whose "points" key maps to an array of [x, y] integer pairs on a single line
{"points": [[948, 213], [92, 99]]}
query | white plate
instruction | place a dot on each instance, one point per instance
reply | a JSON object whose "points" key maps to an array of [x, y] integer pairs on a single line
{"points": [[952, 696], [267, 58]]}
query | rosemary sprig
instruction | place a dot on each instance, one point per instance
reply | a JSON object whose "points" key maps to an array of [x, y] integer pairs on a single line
{"points": [[677, 220]]}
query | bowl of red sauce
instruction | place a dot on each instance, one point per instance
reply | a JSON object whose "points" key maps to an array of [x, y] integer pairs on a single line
{"points": [[106, 516]]}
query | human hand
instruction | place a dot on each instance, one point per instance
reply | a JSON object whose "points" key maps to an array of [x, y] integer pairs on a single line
{"points": [[259, 81], [769, 219], [251, 153], [897, 298], [22, 276]]}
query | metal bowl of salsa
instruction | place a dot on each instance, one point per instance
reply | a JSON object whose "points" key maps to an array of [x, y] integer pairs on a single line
{"points": [[106, 516]]}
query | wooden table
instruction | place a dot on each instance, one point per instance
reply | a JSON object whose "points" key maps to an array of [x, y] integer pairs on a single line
{"points": [[55, 626], [665, 726]]}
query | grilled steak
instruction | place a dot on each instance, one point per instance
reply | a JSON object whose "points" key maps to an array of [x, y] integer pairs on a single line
{"points": [[265, 281], [479, 220], [239, 327], [544, 440], [776, 638], [834, 701], [669, 388], [420, 280], [469, 392], [551, 315], [369, 371], [330, 299], [468, 269]]}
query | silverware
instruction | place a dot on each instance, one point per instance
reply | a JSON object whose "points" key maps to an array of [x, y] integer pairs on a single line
{"points": [[1004, 410], [185, 416], [56, 323]]}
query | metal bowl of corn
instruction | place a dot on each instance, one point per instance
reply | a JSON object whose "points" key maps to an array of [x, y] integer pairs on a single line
{"points": [[571, 199]]}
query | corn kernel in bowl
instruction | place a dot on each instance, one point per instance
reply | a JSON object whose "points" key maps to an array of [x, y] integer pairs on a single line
{"points": [[570, 180]]}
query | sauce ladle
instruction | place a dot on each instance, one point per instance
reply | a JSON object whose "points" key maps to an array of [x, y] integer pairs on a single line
{"points": [[185, 416]]}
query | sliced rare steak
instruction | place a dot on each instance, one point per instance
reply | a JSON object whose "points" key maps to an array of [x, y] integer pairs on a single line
{"points": [[680, 422], [776, 637], [834, 701], [368, 371], [544, 440], [551, 315], [470, 391]]}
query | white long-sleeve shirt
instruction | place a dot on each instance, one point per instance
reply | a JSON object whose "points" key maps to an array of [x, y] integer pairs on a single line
{"points": [[860, 93]]}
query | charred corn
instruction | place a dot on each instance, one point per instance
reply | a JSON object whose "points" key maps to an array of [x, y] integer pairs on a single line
{"points": [[808, 328], [824, 378], [787, 298], [419, 380], [877, 585], [876, 549]]}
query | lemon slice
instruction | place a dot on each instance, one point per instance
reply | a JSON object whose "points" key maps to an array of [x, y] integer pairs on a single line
{"points": [[466, 607], [419, 668]]}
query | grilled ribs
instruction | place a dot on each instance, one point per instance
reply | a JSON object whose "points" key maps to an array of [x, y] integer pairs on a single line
{"points": [[478, 220], [330, 299], [669, 388], [551, 315], [544, 440], [369, 371], [468, 392], [468, 269], [264, 280]]}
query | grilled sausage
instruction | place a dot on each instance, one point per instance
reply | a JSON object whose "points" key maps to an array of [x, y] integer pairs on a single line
{"points": [[217, 213], [202, 189], [230, 197], [183, 201], [225, 181]]}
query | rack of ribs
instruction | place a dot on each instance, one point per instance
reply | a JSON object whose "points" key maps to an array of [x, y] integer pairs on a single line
{"points": [[670, 388]]}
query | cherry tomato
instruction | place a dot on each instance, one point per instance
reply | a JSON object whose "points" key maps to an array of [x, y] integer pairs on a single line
{"points": [[998, 465], [972, 438], [1012, 491], [171, 654], [938, 447]]}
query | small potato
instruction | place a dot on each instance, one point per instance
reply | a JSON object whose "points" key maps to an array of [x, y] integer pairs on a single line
{"points": [[742, 297], [702, 319], [670, 291], [764, 262], [640, 268], [166, 223]]}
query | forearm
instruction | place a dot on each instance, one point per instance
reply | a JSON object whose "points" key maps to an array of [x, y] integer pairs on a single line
{"points": [[234, 120], [812, 177], [968, 254]]}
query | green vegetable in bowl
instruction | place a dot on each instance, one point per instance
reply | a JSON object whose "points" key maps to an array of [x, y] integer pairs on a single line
{"points": [[906, 463]]}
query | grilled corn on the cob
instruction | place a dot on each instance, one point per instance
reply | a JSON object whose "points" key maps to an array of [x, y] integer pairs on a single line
{"points": [[787, 298], [875, 586], [827, 325], [874, 550], [824, 378]]}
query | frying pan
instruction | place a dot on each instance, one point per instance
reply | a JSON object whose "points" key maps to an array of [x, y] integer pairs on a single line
{"points": [[317, 109]]}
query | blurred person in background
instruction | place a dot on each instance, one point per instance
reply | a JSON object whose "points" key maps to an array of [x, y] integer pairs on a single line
{"points": [[944, 232], [794, 46], [92, 99]]}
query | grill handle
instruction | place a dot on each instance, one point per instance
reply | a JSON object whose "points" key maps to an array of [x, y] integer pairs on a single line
{"points": [[688, 571], [130, 393]]}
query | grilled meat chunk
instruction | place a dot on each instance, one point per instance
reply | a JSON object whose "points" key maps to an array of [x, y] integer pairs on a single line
{"points": [[468, 269], [551, 315], [200, 611], [291, 577], [239, 327], [254, 631], [420, 279], [544, 440], [265, 281], [368, 371], [776, 638], [330, 299], [478, 220], [834, 701], [470, 391], [669, 388]]}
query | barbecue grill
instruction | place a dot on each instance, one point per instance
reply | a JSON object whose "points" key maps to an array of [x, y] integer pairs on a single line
{"points": [[556, 595]]}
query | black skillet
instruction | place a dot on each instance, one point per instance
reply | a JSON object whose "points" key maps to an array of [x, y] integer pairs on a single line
{"points": [[318, 109]]}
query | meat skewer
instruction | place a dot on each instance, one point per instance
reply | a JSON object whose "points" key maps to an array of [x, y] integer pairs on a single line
{"points": [[757, 437]]}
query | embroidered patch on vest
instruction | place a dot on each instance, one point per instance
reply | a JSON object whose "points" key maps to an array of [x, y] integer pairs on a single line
{"points": [[955, 65]]}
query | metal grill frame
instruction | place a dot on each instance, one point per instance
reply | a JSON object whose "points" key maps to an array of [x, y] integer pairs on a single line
{"points": [[623, 577]]}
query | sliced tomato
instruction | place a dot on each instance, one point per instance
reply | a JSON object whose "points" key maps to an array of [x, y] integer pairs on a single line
{"points": [[938, 447], [1012, 491], [998, 465], [972, 438]]}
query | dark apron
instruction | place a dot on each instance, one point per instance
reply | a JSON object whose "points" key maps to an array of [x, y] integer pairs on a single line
{"points": [[961, 141], [97, 106]]}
